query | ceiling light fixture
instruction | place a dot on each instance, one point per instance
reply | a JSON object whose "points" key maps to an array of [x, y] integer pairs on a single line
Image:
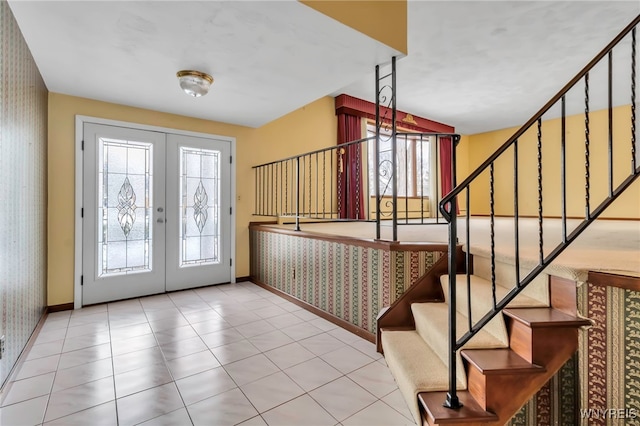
{"points": [[194, 83]]}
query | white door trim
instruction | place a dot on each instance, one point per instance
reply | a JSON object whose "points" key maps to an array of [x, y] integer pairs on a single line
{"points": [[80, 121]]}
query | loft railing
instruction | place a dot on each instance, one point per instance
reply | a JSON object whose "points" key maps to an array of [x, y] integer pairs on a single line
{"points": [[606, 144], [344, 182]]}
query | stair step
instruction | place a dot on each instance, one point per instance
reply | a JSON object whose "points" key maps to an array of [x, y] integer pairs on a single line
{"points": [[545, 317], [499, 361], [537, 333], [482, 299], [438, 414], [505, 273], [432, 323], [415, 366]]}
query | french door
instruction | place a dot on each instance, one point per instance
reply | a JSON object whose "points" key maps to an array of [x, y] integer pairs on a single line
{"points": [[156, 212]]}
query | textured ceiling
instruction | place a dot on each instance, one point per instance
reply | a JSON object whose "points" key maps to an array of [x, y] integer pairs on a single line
{"points": [[267, 57], [475, 65]]}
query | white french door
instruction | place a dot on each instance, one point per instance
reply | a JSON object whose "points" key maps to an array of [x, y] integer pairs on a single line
{"points": [[156, 212]]}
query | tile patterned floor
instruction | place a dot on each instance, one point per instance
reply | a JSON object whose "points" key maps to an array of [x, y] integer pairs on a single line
{"points": [[231, 354]]}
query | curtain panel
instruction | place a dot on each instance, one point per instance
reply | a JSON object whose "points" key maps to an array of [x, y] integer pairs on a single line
{"points": [[350, 183]]}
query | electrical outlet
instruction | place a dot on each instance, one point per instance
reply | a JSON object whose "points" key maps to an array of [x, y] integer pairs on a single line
{"points": [[1, 347]]}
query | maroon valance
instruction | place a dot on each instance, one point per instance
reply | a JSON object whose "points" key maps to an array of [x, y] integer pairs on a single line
{"points": [[346, 104]]}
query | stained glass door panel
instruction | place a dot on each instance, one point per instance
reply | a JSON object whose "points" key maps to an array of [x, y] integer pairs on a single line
{"points": [[199, 206], [123, 224], [198, 191], [125, 201]]}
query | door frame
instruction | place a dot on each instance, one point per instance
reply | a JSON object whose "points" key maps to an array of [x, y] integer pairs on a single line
{"points": [[79, 166]]}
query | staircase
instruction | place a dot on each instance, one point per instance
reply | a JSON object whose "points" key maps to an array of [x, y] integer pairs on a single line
{"points": [[484, 342], [499, 369]]}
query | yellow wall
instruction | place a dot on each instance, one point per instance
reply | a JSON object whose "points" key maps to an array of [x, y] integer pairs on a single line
{"points": [[307, 128], [482, 145], [373, 18]]}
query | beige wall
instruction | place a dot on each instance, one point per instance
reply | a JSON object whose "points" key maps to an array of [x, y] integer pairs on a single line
{"points": [[480, 146], [307, 128]]}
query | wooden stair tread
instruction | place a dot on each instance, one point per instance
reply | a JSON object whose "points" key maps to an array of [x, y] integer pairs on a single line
{"points": [[544, 317], [438, 414], [499, 361], [399, 328]]}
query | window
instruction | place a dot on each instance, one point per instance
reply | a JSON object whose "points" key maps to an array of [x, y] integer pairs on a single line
{"points": [[413, 164]]}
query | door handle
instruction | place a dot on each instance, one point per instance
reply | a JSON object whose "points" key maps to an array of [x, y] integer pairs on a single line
{"points": [[160, 220]]}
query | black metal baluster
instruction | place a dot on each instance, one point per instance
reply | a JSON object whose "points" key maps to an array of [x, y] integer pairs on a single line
{"points": [[586, 147], [317, 214], [256, 189], [421, 179], [286, 188], [452, 400], [331, 177], [492, 233], [283, 194], [394, 148], [310, 185], [540, 219], [358, 149], [437, 173], [272, 189], [467, 257], [610, 117], [324, 184], [406, 179], [377, 153], [276, 190], [339, 183], [516, 214], [298, 193], [633, 101], [264, 191], [563, 168]]}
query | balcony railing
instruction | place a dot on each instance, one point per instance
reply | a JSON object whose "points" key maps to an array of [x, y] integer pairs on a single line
{"points": [[345, 183]]}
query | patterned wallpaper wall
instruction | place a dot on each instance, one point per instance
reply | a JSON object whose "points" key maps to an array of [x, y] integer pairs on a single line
{"points": [[609, 362], [23, 194], [330, 275]]}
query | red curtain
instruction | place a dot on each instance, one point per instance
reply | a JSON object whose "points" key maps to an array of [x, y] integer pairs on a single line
{"points": [[446, 184], [350, 190]]}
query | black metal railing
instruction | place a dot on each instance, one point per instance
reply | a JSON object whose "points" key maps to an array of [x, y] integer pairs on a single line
{"points": [[342, 182], [605, 144]]}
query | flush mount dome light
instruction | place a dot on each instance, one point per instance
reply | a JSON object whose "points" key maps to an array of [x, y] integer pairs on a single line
{"points": [[194, 83]]}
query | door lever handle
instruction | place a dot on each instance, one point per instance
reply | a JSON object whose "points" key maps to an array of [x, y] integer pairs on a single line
{"points": [[160, 220]]}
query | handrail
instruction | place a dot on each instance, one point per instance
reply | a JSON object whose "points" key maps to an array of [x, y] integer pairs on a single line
{"points": [[448, 204], [457, 190], [317, 151]]}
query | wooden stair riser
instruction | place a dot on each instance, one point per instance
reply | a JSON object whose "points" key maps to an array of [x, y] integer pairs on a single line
{"points": [[539, 345], [490, 391]]}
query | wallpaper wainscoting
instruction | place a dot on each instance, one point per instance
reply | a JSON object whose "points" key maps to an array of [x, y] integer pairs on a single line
{"points": [[610, 354], [23, 197], [348, 281]]}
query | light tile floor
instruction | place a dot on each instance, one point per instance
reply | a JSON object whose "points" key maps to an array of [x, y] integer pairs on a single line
{"points": [[231, 354]]}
